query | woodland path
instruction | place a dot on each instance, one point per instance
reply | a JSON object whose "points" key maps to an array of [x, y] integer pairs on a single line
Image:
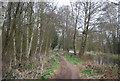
{"points": [[67, 70]]}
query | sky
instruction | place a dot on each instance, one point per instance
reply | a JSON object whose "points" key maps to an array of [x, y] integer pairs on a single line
{"points": [[67, 2], [61, 2]]}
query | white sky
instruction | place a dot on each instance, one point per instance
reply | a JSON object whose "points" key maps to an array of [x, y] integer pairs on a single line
{"points": [[67, 2], [61, 2]]}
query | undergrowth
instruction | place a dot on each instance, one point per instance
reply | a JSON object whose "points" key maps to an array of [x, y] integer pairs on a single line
{"points": [[53, 66], [115, 56], [91, 72], [74, 60]]}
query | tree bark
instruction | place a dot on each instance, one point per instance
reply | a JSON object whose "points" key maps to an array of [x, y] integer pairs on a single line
{"points": [[83, 45], [38, 42], [15, 55], [21, 49], [29, 49], [86, 25]]}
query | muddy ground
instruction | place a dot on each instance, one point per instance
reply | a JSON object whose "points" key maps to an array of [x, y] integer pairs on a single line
{"points": [[66, 70]]}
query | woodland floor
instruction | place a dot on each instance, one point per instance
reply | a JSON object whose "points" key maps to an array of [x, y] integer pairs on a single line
{"points": [[82, 69], [66, 70], [64, 66]]}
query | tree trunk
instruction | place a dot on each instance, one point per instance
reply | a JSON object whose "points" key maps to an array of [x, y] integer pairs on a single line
{"points": [[86, 29], [30, 45], [38, 42], [21, 49], [74, 42], [63, 39], [14, 43], [83, 45], [74, 38]]}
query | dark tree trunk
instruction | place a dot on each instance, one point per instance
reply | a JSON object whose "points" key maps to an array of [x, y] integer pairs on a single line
{"points": [[83, 45], [74, 38]]}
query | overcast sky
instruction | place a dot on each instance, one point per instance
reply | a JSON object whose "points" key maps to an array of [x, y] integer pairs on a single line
{"points": [[67, 2]]}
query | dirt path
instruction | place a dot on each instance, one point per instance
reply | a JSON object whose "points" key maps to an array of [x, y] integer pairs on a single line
{"points": [[67, 70]]}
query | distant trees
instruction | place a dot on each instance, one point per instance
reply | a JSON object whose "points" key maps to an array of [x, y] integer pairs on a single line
{"points": [[64, 27], [105, 35], [110, 13], [87, 27]]}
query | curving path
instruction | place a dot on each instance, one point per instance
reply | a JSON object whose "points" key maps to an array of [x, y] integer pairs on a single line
{"points": [[67, 70]]}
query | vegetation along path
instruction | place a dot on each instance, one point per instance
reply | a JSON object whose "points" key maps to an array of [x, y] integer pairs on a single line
{"points": [[67, 70]]}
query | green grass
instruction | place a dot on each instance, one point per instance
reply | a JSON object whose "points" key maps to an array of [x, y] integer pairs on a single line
{"points": [[115, 56], [91, 72], [51, 69], [74, 60], [85, 72]]}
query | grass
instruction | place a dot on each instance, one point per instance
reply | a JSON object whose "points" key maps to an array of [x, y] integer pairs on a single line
{"points": [[85, 72], [91, 72], [50, 69], [74, 60], [115, 56]]}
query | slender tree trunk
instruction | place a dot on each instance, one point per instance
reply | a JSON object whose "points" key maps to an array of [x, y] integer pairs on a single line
{"points": [[27, 41], [63, 41], [38, 42], [14, 43], [46, 48], [21, 49], [30, 45], [41, 46], [41, 31], [74, 38], [109, 44], [42, 68], [74, 41], [10, 67]]}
